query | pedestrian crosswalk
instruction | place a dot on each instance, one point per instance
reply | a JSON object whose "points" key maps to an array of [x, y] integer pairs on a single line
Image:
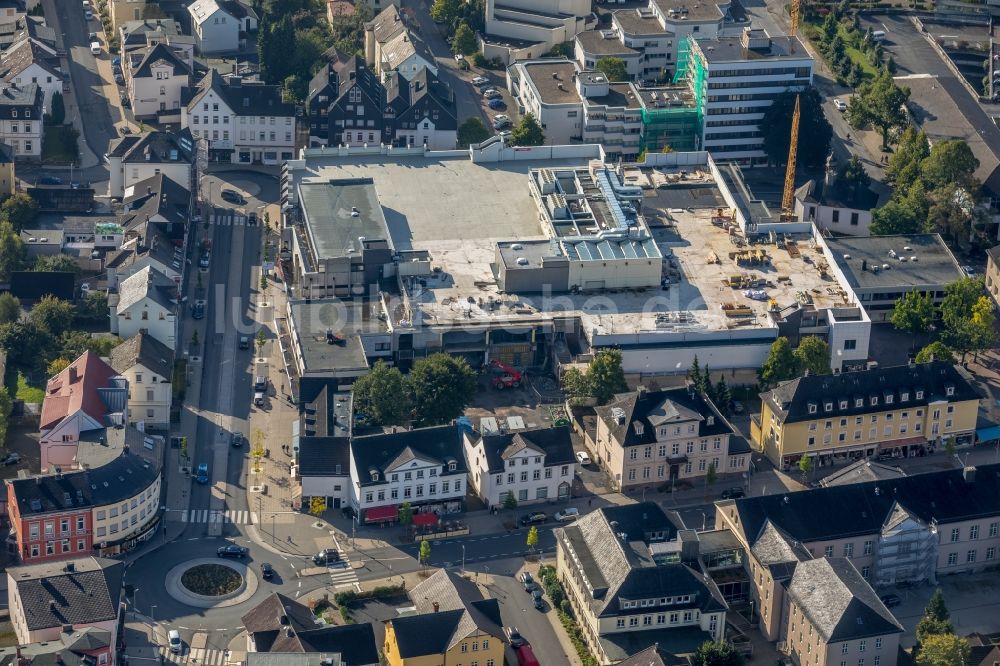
{"points": [[342, 574], [213, 516], [196, 656], [228, 220]]}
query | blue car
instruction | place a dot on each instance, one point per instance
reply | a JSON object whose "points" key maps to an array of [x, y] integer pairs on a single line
{"points": [[117, 61], [202, 476], [497, 103]]}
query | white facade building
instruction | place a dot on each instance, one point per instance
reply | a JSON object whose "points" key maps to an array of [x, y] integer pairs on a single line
{"points": [[21, 119], [147, 364], [30, 61], [155, 78], [532, 465], [220, 26], [145, 304]]}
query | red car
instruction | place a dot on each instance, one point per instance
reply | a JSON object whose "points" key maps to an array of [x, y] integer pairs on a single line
{"points": [[525, 656]]}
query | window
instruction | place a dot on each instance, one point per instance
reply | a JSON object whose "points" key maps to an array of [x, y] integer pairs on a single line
{"points": [[866, 572], [974, 532], [848, 550], [633, 622], [868, 547], [621, 623], [828, 551], [952, 559], [954, 535], [970, 556], [862, 645], [993, 529], [991, 553], [878, 643]]}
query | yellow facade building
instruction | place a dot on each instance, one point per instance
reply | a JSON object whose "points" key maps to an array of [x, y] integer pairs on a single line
{"points": [[900, 411]]}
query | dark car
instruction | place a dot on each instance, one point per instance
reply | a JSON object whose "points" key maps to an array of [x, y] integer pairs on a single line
{"points": [[733, 493], [125, 103], [119, 79], [12, 458], [232, 550], [891, 600], [244, 342], [536, 599], [125, 129], [232, 196], [49, 180], [252, 219], [514, 637], [326, 556], [528, 582], [237, 440], [534, 518], [266, 571], [197, 310]]}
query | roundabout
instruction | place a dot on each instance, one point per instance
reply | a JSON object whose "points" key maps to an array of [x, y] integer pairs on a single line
{"points": [[209, 583]]}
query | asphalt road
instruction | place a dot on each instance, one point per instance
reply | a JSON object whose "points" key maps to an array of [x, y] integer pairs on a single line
{"points": [[480, 548], [517, 610]]}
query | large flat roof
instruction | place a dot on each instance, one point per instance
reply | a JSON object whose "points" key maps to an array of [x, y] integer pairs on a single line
{"points": [[347, 320], [730, 49], [338, 212], [554, 81], [935, 265]]}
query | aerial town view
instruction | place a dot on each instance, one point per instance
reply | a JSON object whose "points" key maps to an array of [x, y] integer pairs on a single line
{"points": [[500, 332]]}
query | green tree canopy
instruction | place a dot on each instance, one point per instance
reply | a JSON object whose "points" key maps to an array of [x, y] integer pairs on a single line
{"points": [[56, 263], [905, 164], [20, 210], [613, 68], [937, 351], [936, 608], [52, 315], [425, 552], [813, 355], [440, 387], [913, 312], [949, 161], [605, 375], [527, 132], [902, 215], [58, 113], [464, 40], [472, 131], [943, 650], [815, 131], [959, 298], [10, 308], [721, 653], [6, 404], [853, 179], [879, 102], [509, 501], [381, 395], [445, 11], [28, 346], [94, 307], [780, 364], [13, 254], [405, 513]]}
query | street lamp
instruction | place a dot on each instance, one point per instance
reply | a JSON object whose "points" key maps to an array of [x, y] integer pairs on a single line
{"points": [[463, 558]]}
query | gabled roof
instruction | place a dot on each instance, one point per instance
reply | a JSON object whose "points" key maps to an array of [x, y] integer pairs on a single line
{"points": [[838, 602], [401, 47], [861, 471], [244, 98], [555, 443], [386, 25], [77, 388], [154, 56], [156, 147], [792, 401], [144, 350], [72, 648], [440, 443], [22, 55], [157, 195], [20, 98], [202, 10], [648, 657], [651, 409], [324, 456], [146, 283], [772, 546], [81, 591], [406, 95]]}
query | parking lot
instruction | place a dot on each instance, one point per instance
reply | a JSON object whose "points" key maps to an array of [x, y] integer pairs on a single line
{"points": [[971, 600]]}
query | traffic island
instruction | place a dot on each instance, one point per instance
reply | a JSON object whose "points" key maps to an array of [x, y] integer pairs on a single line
{"points": [[210, 583]]}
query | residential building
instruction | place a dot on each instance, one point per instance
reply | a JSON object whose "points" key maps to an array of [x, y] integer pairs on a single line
{"points": [[60, 602], [146, 302], [8, 180], [453, 622], [136, 158], [424, 467], [221, 26], [103, 510], [123, 11], [244, 122], [899, 410], [423, 111], [147, 366], [21, 109], [649, 657], [11, 11], [522, 29], [155, 77], [862, 471], [834, 616], [282, 626], [835, 205], [623, 572], [82, 403], [881, 269], [72, 648], [30, 61], [141, 33], [321, 444], [984, 651], [660, 437], [532, 465], [346, 105], [391, 47]]}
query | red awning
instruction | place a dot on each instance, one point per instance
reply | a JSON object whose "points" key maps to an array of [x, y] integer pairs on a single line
{"points": [[421, 519], [380, 514]]}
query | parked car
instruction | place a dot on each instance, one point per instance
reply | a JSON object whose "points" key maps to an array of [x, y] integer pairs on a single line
{"points": [[492, 94], [582, 458], [95, 47], [459, 58], [202, 476], [174, 639], [525, 656], [891, 600], [567, 514], [266, 571], [970, 271], [536, 598], [733, 493], [244, 342], [125, 103], [236, 440], [232, 550], [840, 104], [198, 310], [514, 637], [232, 196], [528, 582], [117, 60], [12, 458], [502, 124], [119, 79], [125, 129], [326, 556], [534, 518], [49, 180], [259, 383], [496, 103], [480, 80], [258, 398]]}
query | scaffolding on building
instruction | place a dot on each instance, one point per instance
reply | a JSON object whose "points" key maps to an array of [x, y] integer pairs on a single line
{"points": [[677, 126]]}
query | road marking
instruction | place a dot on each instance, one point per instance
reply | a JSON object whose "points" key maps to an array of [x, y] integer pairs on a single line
{"points": [[235, 517]]}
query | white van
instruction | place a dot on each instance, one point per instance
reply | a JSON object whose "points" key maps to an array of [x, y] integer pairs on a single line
{"points": [[95, 48], [174, 638], [878, 35]]}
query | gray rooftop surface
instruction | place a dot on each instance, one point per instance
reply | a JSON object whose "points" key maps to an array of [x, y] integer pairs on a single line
{"points": [[699, 10], [730, 49], [333, 228], [935, 263], [634, 22], [554, 90], [619, 95], [312, 320], [594, 42]]}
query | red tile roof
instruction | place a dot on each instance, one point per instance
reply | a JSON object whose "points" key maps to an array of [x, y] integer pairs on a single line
{"points": [[75, 388]]}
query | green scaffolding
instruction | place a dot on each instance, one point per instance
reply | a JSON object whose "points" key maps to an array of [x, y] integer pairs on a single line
{"points": [[677, 127]]}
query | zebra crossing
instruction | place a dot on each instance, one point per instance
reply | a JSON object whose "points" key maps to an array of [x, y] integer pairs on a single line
{"points": [[228, 220], [213, 516], [199, 656], [342, 573]]}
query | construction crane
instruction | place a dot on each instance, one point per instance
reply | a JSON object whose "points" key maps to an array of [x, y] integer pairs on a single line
{"points": [[795, 18], [787, 204]]}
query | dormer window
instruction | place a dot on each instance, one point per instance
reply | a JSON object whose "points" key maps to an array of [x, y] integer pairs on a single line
{"points": [[874, 400], [920, 394], [888, 398], [949, 390], [904, 396], [859, 402], [828, 406], [710, 421], [452, 465], [374, 474], [812, 407], [13, 113], [843, 404]]}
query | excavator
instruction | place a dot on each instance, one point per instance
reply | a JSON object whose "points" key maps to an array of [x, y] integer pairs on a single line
{"points": [[505, 377]]}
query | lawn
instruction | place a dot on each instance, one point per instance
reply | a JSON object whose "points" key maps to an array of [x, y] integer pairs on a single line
{"points": [[59, 144], [27, 392], [851, 51]]}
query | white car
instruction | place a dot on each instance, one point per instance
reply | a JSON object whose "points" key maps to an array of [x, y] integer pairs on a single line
{"points": [[95, 48], [459, 58], [582, 458], [480, 80], [840, 104], [567, 514]]}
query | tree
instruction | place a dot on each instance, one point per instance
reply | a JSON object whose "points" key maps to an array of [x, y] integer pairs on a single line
{"points": [[780, 364], [472, 131], [936, 608], [58, 113], [12, 251], [936, 620], [294, 89], [605, 375], [813, 356], [902, 215], [317, 505], [261, 339], [6, 404], [853, 180], [381, 396], [56, 263], [711, 476], [94, 307], [28, 346], [937, 351], [960, 298], [57, 366], [440, 387], [575, 384], [904, 165], [527, 132], [694, 372], [814, 129], [879, 103], [425, 552], [722, 653], [10, 308], [532, 540], [943, 650], [445, 11], [52, 315], [805, 466], [464, 41], [913, 312], [723, 396], [613, 68], [405, 514], [509, 501], [20, 210], [949, 161]]}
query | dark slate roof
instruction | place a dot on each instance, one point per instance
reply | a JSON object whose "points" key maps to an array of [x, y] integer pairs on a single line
{"points": [[355, 643], [791, 400], [440, 443], [386, 25], [329, 413], [122, 478], [648, 657], [155, 54], [863, 508], [320, 456], [20, 98], [6, 154], [556, 443], [145, 350], [451, 591], [243, 97], [51, 596], [654, 408], [122, 145], [406, 95], [425, 634], [838, 602], [22, 55], [70, 649], [276, 623], [173, 200]]}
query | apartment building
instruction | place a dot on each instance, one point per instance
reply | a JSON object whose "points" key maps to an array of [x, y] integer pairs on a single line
{"points": [[31, 61], [900, 410], [522, 29], [147, 366], [21, 109], [660, 437], [390, 46], [136, 158], [243, 122], [123, 11], [221, 26], [155, 78]]}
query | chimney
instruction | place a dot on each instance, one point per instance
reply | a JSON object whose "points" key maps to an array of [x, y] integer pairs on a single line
{"points": [[288, 632], [437, 607], [52, 605], [283, 620], [70, 567], [969, 474], [72, 374]]}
